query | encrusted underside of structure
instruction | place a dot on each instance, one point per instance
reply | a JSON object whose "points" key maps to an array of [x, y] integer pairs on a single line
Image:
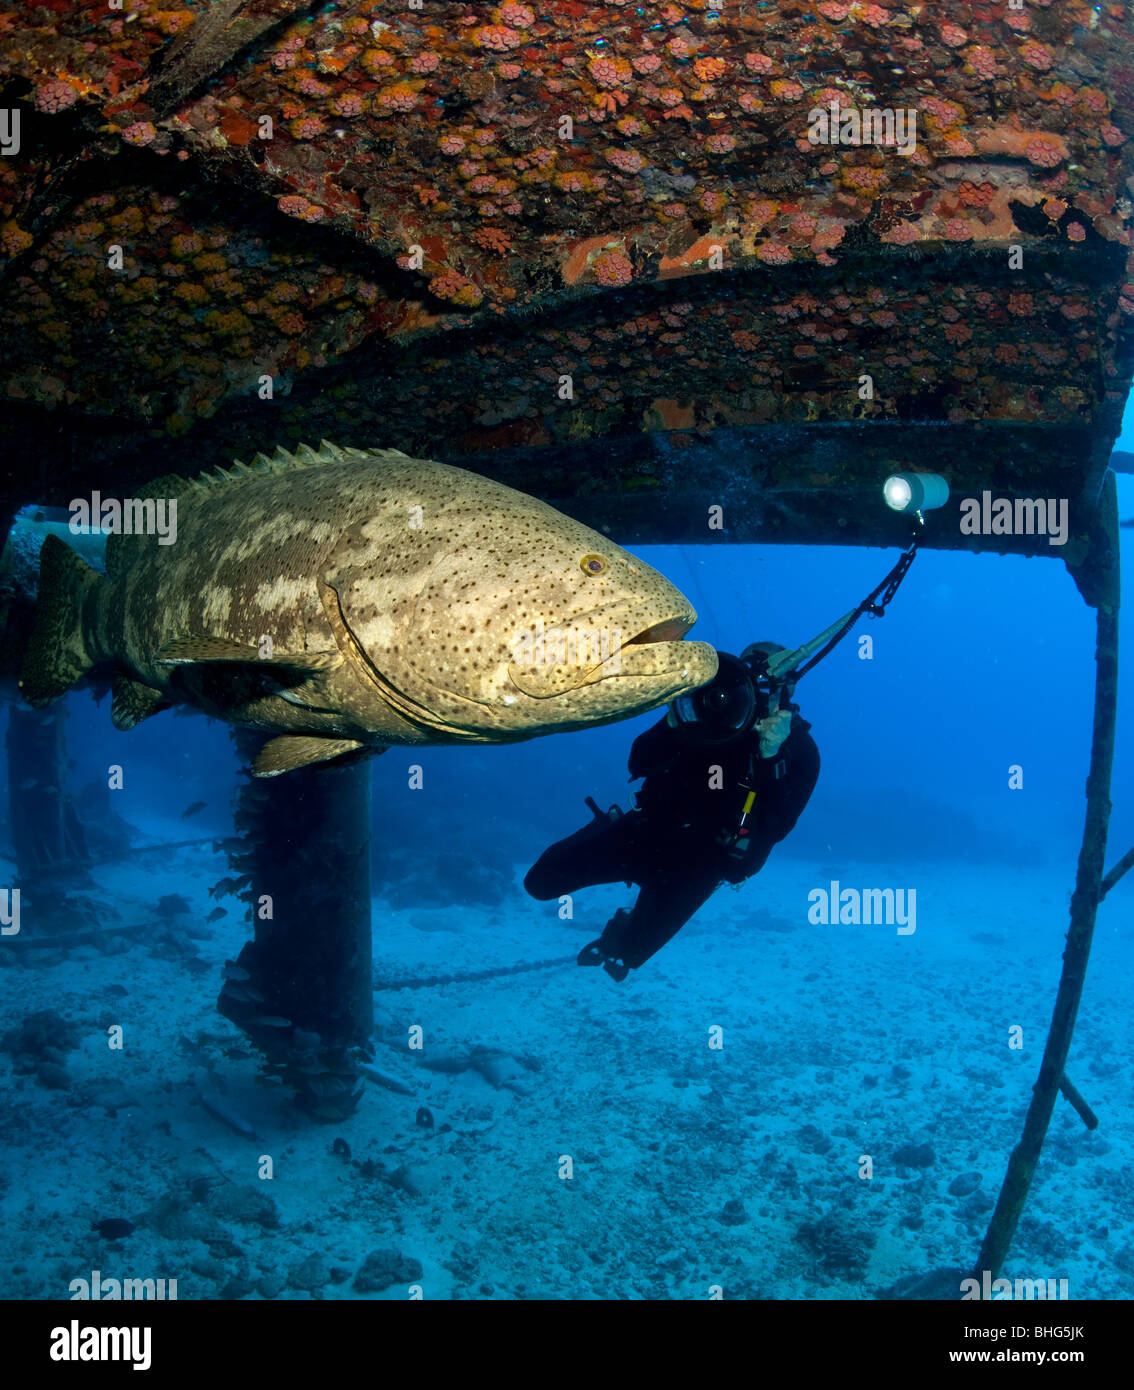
{"points": [[626, 256]]}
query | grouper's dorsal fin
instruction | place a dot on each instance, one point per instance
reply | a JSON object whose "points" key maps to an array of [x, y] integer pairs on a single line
{"points": [[118, 543], [265, 465]]}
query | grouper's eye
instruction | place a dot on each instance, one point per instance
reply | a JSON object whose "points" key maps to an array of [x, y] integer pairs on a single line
{"points": [[592, 564]]}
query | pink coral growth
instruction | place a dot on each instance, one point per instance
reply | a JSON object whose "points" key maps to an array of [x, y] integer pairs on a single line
{"points": [[400, 97], [774, 253], [498, 38], [646, 62], [1111, 134], [945, 113], [827, 238], [140, 133], [629, 161], [349, 104], [902, 233], [609, 72], [55, 96], [516, 16], [957, 229], [426, 61], [982, 61], [758, 62], [454, 287], [1036, 55], [720, 144], [451, 144], [1076, 231], [293, 205], [1044, 152], [307, 127], [613, 268], [953, 35]]}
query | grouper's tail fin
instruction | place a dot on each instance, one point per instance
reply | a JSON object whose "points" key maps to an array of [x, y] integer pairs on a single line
{"points": [[57, 655]]}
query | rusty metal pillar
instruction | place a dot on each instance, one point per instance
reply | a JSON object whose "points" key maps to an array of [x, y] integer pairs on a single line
{"points": [[301, 988], [46, 831], [1105, 589]]}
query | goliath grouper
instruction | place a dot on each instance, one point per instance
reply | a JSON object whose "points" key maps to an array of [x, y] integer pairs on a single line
{"points": [[345, 600]]}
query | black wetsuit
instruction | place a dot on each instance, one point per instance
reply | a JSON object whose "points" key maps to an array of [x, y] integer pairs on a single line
{"points": [[676, 845]]}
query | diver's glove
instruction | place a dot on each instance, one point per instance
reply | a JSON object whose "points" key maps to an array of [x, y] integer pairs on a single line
{"points": [[604, 952], [594, 955], [773, 731]]}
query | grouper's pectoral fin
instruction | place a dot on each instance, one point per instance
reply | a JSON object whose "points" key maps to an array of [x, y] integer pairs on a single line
{"points": [[191, 651], [291, 751], [132, 702]]}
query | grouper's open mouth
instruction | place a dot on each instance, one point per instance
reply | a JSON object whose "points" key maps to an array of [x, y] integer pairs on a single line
{"points": [[567, 659]]}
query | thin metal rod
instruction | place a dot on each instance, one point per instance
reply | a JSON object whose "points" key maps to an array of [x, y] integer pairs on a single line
{"points": [[1084, 900], [1070, 1092], [1125, 863]]}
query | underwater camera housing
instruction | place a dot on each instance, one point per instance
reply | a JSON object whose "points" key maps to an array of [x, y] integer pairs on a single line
{"points": [[728, 706]]}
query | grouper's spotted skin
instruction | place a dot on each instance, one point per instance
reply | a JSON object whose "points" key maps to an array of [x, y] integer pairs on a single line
{"points": [[345, 600]]}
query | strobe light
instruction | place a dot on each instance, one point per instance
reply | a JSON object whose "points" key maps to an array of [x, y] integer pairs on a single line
{"points": [[915, 492]]}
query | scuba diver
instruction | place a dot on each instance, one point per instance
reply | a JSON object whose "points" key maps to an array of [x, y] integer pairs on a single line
{"points": [[727, 774]]}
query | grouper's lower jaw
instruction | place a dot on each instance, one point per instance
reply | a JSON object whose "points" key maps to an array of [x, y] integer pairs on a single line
{"points": [[634, 685], [672, 666], [678, 666], [636, 679]]}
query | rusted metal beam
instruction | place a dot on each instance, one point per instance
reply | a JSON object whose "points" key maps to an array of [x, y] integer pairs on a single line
{"points": [[1084, 907]]}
